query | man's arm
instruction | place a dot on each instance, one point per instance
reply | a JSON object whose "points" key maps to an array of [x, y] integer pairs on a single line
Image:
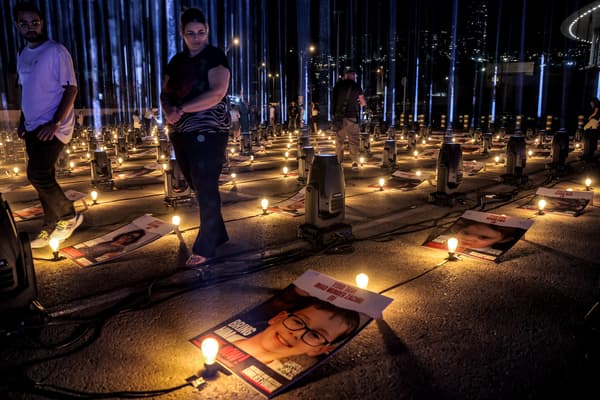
{"points": [[361, 100], [66, 104]]}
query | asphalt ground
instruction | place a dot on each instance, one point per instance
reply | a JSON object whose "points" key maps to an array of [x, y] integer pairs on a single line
{"points": [[460, 330]]}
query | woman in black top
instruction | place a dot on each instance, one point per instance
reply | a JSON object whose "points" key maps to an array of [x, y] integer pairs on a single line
{"points": [[194, 101]]}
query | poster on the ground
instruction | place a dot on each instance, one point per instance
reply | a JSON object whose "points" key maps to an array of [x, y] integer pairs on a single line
{"points": [[294, 206], [408, 179], [482, 235], [141, 231], [36, 210], [560, 201], [276, 343]]}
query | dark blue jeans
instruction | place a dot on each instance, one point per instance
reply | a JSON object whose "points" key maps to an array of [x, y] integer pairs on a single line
{"points": [[201, 157], [41, 172]]}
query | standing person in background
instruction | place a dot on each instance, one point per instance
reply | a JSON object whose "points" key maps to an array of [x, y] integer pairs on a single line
{"points": [[49, 88], [293, 116], [347, 96], [235, 123], [244, 117], [314, 117], [272, 116], [194, 100], [592, 121]]}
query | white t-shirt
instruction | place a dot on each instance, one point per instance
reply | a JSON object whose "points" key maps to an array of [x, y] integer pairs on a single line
{"points": [[43, 73]]}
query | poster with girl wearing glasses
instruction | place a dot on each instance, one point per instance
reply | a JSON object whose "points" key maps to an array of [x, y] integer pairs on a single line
{"points": [[276, 343]]}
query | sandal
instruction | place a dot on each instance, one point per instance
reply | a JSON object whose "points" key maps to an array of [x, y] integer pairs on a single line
{"points": [[195, 260]]}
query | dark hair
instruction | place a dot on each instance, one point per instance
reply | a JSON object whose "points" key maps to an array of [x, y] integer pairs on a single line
{"points": [[138, 233], [596, 102], [350, 317], [27, 6], [192, 15]]}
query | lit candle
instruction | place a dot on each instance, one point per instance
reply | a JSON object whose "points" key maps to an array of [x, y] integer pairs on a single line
{"points": [[452, 245], [541, 206], [94, 196], [362, 280]]}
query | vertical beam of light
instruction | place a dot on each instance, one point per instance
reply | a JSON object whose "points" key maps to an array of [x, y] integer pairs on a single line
{"points": [[139, 95], [392, 59], [495, 73], [430, 103], [451, 75], [494, 90], [157, 28], [324, 49], [241, 50], [598, 85], [520, 77], [115, 43], [93, 54], [385, 101], [566, 77], [541, 87], [282, 53], [303, 13], [416, 100], [229, 45], [264, 56], [172, 28], [250, 38]]}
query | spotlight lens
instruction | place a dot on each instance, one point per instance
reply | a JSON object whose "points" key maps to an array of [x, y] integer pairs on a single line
{"points": [[94, 195], [381, 182], [264, 203], [588, 182], [176, 220], [210, 349], [362, 280]]}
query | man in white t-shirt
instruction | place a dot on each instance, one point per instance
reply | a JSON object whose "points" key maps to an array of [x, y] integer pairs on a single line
{"points": [[49, 88]]}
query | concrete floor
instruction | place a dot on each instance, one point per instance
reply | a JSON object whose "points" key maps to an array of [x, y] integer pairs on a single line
{"points": [[466, 330]]}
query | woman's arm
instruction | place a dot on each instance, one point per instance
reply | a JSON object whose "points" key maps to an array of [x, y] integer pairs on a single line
{"points": [[218, 83], [173, 114]]}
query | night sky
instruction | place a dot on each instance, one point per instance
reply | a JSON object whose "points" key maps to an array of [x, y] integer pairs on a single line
{"points": [[120, 47]]}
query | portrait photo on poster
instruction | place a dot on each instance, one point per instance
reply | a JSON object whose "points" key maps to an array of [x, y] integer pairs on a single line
{"points": [[279, 341], [482, 235]]}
